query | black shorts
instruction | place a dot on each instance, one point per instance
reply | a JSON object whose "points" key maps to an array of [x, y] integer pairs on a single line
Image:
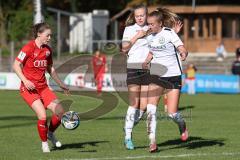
{"points": [[174, 82], [138, 76]]}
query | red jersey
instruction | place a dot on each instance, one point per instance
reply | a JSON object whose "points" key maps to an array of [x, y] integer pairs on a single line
{"points": [[35, 61], [99, 64]]}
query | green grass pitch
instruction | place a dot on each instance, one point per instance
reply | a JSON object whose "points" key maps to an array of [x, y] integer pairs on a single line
{"points": [[213, 121]]}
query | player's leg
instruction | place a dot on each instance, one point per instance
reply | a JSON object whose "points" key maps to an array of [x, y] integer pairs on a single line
{"points": [[32, 98], [188, 86], [40, 111], [57, 112], [192, 84], [173, 101], [143, 103], [165, 100], [133, 93], [154, 93], [99, 80], [143, 77], [51, 102]]}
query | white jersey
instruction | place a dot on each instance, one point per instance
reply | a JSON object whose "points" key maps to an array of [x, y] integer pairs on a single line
{"points": [[163, 47], [139, 51]]}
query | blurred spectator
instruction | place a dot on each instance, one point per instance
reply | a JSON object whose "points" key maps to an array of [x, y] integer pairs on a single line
{"points": [[238, 50], [236, 66], [190, 78], [221, 52]]}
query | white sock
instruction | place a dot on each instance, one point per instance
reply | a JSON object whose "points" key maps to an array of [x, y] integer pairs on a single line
{"points": [[129, 122], [44, 143], [151, 122], [138, 115]]}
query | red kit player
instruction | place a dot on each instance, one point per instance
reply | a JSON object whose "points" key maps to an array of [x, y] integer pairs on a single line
{"points": [[99, 68], [34, 59]]}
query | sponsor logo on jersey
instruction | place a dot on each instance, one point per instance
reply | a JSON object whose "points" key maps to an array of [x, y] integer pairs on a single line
{"points": [[161, 40], [47, 53], [21, 55], [157, 48], [40, 63], [35, 54]]}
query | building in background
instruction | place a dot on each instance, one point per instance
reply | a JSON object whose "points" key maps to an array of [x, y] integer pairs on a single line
{"points": [[86, 28], [204, 26]]}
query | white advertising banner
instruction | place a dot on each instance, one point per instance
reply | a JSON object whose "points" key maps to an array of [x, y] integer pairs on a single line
{"points": [[9, 81], [114, 82]]}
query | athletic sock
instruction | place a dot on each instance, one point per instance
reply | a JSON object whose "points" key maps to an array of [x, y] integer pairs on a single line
{"points": [[129, 122], [42, 129], [178, 119], [151, 122], [55, 122], [138, 116]]}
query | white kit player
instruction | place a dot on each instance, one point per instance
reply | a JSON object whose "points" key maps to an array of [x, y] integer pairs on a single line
{"points": [[166, 53]]}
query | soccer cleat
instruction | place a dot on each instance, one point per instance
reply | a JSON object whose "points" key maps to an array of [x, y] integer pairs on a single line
{"points": [[184, 135], [45, 147], [54, 140], [129, 144], [153, 147]]}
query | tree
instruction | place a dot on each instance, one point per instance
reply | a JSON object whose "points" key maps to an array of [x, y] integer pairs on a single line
{"points": [[15, 16]]}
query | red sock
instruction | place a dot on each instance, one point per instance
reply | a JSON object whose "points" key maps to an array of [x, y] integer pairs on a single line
{"points": [[55, 122], [42, 129]]}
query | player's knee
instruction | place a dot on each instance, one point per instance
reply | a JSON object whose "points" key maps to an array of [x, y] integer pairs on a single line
{"points": [[59, 111], [134, 103]]}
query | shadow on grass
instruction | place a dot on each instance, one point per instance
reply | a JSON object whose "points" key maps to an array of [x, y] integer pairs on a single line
{"points": [[81, 145], [192, 143], [182, 108]]}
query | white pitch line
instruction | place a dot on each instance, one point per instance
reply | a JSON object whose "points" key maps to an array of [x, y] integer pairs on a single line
{"points": [[160, 156]]}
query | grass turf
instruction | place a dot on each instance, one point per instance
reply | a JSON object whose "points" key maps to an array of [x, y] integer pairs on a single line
{"points": [[213, 122]]}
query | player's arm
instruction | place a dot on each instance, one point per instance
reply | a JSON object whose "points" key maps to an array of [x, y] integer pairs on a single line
{"points": [[51, 70], [183, 52], [17, 67], [129, 42], [179, 45], [147, 61]]}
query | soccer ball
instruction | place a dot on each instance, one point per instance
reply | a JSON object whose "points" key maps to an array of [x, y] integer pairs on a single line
{"points": [[70, 120]]}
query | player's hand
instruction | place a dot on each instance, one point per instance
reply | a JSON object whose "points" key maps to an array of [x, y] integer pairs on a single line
{"points": [[141, 33], [145, 65], [178, 26], [65, 89], [183, 56], [29, 85]]}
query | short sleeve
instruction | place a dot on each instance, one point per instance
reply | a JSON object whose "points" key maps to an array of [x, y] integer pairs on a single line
{"points": [[23, 54], [126, 34], [175, 39]]}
